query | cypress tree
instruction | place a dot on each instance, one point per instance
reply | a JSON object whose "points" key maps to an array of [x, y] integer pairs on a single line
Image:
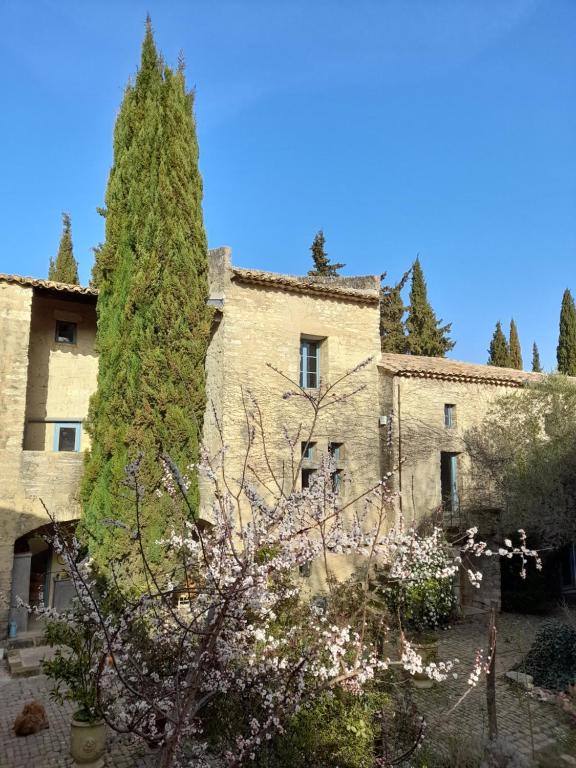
{"points": [[322, 265], [64, 268], [392, 328], [514, 347], [499, 352], [153, 322], [566, 350], [426, 334], [536, 367]]}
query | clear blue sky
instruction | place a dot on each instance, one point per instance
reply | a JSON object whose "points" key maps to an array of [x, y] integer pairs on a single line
{"points": [[440, 127]]}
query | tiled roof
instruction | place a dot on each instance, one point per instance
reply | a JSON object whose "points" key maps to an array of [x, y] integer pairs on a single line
{"points": [[50, 285], [305, 285], [414, 366]]}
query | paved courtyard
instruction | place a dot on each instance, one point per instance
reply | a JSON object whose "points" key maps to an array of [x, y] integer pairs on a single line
{"points": [[538, 730], [50, 748]]}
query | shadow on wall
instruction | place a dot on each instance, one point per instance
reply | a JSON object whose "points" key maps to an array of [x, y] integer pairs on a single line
{"points": [[46, 382]]}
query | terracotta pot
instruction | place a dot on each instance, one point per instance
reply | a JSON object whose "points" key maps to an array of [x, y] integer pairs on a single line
{"points": [[88, 743], [428, 650]]}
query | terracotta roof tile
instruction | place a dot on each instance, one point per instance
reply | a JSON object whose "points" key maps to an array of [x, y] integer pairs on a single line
{"points": [[306, 285], [453, 370], [51, 285]]}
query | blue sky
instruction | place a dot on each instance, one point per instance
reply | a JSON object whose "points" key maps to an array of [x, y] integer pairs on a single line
{"points": [[445, 128]]}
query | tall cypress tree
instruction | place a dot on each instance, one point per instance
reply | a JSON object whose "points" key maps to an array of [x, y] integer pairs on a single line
{"points": [[514, 346], [392, 308], [499, 351], [536, 366], [322, 264], [426, 334], [64, 268], [566, 350], [153, 323]]}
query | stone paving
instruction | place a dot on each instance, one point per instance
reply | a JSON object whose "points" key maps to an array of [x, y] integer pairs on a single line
{"points": [[534, 728], [50, 748]]}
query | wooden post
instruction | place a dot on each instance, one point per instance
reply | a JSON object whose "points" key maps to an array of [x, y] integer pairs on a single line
{"points": [[491, 678]]}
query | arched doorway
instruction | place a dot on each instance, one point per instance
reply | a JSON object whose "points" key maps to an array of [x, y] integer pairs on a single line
{"points": [[39, 578]]}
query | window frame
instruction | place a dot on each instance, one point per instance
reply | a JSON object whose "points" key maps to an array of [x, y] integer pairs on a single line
{"points": [[305, 374], [336, 451], [60, 340], [449, 415], [309, 472], [308, 449], [58, 425]]}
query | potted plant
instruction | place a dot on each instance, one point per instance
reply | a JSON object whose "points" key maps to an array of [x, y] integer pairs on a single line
{"points": [[78, 652]]}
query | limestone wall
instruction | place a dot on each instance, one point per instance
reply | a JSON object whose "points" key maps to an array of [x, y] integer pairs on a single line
{"points": [[62, 376], [261, 326], [420, 435], [39, 380]]}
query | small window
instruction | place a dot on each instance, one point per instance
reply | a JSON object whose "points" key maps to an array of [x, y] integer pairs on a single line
{"points": [[336, 450], [309, 364], [337, 481], [449, 416], [65, 332], [308, 450], [307, 477], [67, 436]]}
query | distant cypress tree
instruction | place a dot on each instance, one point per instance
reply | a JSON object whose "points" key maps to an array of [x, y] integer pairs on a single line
{"points": [[153, 322], [64, 268], [322, 265], [515, 349], [392, 308], [536, 367], [566, 350], [499, 352], [426, 334]]}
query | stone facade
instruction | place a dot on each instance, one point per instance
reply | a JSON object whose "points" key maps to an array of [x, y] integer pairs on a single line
{"points": [[43, 384], [262, 321]]}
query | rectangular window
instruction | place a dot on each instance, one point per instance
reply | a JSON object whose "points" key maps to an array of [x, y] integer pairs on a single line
{"points": [[337, 481], [307, 477], [449, 481], [309, 364], [65, 332], [449, 416], [308, 451], [67, 436], [336, 450]]}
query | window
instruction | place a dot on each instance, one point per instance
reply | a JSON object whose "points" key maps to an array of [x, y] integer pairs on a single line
{"points": [[308, 449], [307, 477], [67, 436], [337, 481], [309, 364], [65, 332], [449, 481], [449, 416], [336, 450]]}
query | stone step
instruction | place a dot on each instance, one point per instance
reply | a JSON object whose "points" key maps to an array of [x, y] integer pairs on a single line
{"points": [[27, 662]]}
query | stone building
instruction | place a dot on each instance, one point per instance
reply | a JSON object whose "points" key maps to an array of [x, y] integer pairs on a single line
{"points": [[269, 330], [430, 404], [48, 371]]}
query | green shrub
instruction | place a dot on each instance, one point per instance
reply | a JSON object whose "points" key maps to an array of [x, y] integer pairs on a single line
{"points": [[338, 729], [426, 604], [552, 658]]}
